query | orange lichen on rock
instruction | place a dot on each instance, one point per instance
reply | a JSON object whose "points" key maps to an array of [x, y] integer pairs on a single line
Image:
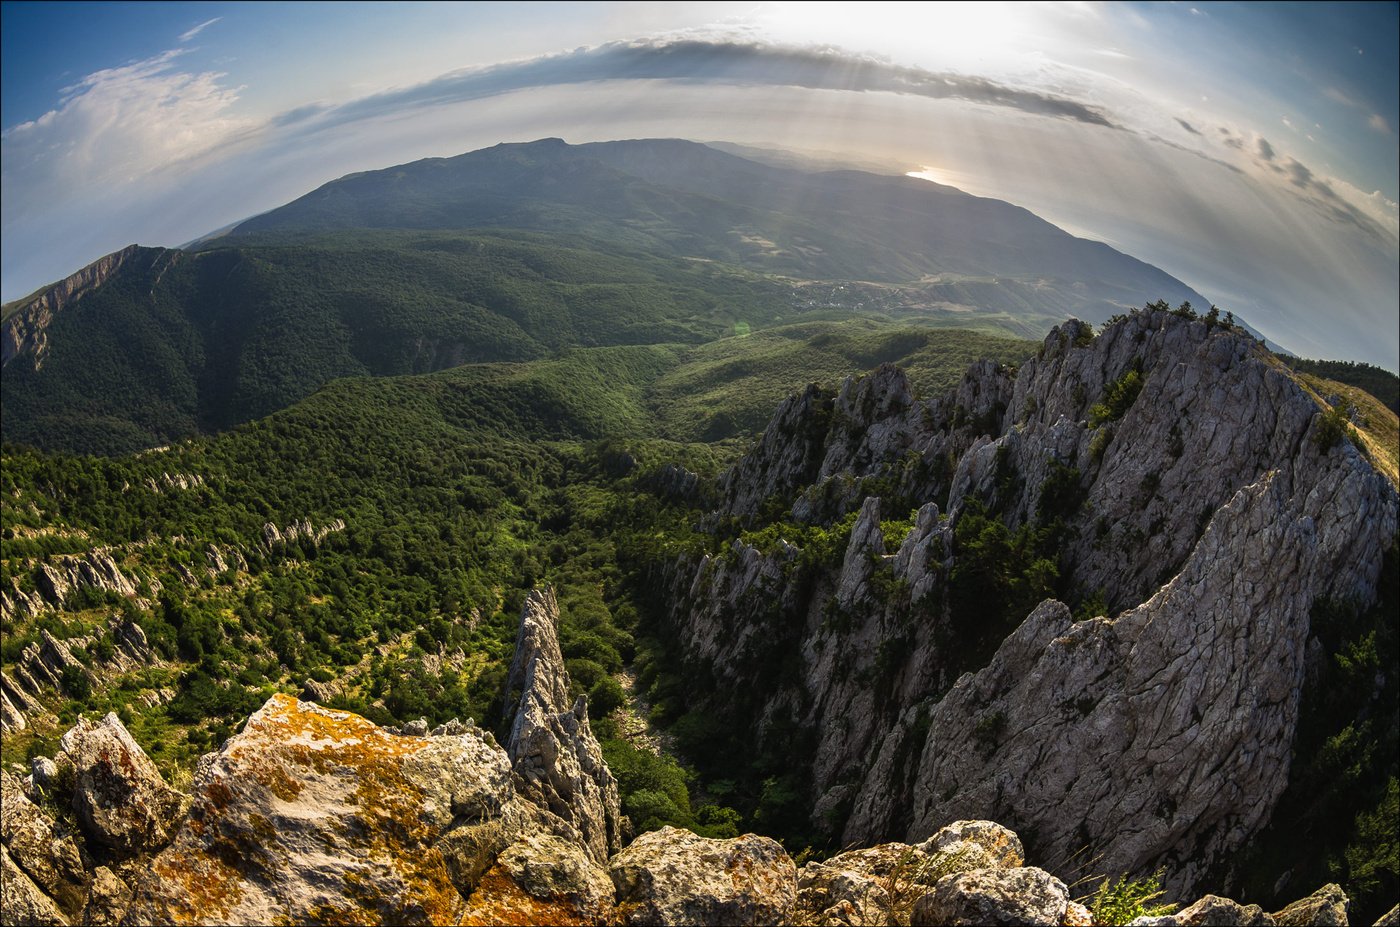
{"points": [[312, 815]]}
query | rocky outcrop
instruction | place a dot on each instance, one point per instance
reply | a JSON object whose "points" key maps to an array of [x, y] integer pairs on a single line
{"points": [[321, 813], [995, 898], [121, 800], [542, 879], [879, 885], [300, 529], [674, 877], [58, 578], [24, 331], [1326, 907], [552, 748], [1210, 911], [50, 857], [39, 672], [1180, 468]]}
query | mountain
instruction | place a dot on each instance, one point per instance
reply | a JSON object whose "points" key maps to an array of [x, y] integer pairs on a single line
{"points": [[686, 199], [515, 252], [1135, 595]]}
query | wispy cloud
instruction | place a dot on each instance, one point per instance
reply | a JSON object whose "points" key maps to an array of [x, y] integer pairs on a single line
{"points": [[1187, 126], [113, 127], [191, 33], [1379, 123], [730, 63]]}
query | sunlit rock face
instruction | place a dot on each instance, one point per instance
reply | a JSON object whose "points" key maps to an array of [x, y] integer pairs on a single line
{"points": [[552, 749], [319, 811], [1183, 465]]}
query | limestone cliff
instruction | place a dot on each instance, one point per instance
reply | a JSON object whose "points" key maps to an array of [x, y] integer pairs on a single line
{"points": [[552, 750], [1183, 473], [24, 331]]}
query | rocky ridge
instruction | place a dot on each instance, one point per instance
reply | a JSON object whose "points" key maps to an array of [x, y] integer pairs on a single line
{"points": [[25, 330], [1182, 469], [317, 816]]}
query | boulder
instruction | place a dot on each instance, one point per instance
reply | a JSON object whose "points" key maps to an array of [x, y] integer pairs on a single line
{"points": [[107, 900], [1326, 907], [23, 902], [1210, 911], [994, 897], [980, 844], [120, 798], [542, 879], [675, 877], [50, 857], [312, 814]]}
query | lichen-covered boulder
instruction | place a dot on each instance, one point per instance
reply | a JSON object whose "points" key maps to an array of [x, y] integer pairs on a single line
{"points": [[108, 897], [318, 816], [1210, 911], [542, 879], [995, 897], [50, 857], [1326, 907], [23, 902], [675, 877], [120, 798], [976, 845]]}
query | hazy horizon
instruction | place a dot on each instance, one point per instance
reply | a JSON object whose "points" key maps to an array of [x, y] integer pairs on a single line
{"points": [[1249, 150]]}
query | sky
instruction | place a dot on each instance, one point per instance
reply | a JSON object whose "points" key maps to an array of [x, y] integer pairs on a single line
{"points": [[1248, 149]]}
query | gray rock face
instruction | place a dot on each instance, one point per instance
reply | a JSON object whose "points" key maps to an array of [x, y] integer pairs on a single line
{"points": [[995, 897], [25, 332], [1204, 513], [552, 747], [1389, 918], [1326, 907], [120, 798], [675, 877]]}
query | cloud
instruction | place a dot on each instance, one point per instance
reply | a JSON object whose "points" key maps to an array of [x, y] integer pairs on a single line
{"points": [[1266, 151], [113, 127], [191, 33], [729, 63], [1187, 126], [1379, 123]]}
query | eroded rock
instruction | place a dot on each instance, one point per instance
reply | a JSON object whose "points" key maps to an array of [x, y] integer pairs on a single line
{"points": [[675, 877], [322, 816], [120, 798], [552, 748], [995, 897]]}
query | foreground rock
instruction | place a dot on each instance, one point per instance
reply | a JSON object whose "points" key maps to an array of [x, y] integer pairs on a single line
{"points": [[1326, 907], [675, 877], [321, 814], [995, 897], [121, 800], [552, 748]]}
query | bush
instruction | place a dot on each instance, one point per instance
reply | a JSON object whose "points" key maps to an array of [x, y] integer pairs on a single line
{"points": [[1332, 427], [1120, 901]]}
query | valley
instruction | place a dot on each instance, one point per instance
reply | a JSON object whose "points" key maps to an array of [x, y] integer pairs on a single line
{"points": [[882, 538]]}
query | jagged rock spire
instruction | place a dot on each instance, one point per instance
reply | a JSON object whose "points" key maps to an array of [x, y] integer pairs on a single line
{"points": [[552, 748]]}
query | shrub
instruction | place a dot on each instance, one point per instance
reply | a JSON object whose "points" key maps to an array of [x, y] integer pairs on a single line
{"points": [[1122, 900], [1332, 427]]}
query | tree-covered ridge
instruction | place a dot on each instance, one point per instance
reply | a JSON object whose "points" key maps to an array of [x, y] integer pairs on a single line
{"points": [[458, 492], [1377, 381]]}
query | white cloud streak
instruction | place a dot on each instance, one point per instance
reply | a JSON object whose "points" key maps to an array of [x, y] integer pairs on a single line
{"points": [[191, 33]]}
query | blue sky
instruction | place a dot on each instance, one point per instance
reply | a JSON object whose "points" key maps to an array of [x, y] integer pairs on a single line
{"points": [[1249, 149]]}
